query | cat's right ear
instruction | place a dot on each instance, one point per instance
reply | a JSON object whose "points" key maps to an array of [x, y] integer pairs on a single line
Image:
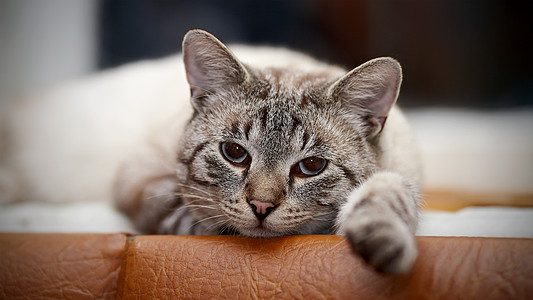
{"points": [[210, 66]]}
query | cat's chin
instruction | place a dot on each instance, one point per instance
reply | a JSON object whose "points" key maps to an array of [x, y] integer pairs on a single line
{"points": [[259, 232]]}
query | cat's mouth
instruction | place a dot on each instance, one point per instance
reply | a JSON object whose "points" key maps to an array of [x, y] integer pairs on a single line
{"points": [[263, 227]]}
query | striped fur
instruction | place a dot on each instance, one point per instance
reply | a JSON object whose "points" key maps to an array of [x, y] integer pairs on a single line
{"points": [[282, 115]]}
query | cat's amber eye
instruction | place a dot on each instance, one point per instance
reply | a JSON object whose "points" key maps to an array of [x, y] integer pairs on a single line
{"points": [[310, 166], [234, 153]]}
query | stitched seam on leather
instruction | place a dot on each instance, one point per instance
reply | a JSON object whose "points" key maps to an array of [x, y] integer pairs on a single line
{"points": [[123, 267]]}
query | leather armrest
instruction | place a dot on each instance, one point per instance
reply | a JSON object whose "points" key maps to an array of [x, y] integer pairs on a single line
{"points": [[60, 266], [204, 267], [314, 267]]}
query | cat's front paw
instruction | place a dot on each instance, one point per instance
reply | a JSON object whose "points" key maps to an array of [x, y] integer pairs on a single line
{"points": [[384, 243]]}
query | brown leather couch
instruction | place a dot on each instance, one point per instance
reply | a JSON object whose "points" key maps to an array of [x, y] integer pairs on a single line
{"points": [[122, 266]]}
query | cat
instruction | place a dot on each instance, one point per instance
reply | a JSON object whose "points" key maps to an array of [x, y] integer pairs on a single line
{"points": [[277, 144]]}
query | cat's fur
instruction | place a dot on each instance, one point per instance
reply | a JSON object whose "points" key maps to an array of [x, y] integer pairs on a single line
{"points": [[182, 184], [281, 106]]}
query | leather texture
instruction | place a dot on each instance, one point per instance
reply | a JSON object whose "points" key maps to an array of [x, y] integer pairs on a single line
{"points": [[120, 266], [60, 266]]}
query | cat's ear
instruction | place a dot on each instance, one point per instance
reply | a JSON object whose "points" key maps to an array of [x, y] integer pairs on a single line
{"points": [[210, 66], [369, 91]]}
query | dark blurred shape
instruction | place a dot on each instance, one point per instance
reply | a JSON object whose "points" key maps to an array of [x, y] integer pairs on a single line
{"points": [[136, 29], [456, 53]]}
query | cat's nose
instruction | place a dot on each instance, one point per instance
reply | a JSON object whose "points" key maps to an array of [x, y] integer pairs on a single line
{"points": [[261, 209]]}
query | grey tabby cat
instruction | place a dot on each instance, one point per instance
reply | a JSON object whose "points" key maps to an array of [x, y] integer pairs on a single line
{"points": [[271, 151]]}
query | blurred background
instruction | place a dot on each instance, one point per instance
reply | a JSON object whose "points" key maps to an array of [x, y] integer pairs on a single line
{"points": [[458, 53], [468, 87]]}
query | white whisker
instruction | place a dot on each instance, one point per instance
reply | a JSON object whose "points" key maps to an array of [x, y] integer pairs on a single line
{"points": [[160, 195], [196, 197], [341, 242], [205, 219], [216, 224], [201, 206], [194, 207], [194, 188]]}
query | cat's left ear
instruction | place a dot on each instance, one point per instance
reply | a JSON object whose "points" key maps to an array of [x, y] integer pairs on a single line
{"points": [[210, 66], [369, 91]]}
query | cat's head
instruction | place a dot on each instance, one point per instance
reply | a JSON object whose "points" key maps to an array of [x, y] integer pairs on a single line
{"points": [[276, 151]]}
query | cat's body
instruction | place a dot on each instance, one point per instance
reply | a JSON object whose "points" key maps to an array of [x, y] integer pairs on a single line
{"points": [[237, 166], [281, 144]]}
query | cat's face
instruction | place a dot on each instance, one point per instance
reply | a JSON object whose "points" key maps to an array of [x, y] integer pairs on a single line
{"points": [[279, 148], [268, 152]]}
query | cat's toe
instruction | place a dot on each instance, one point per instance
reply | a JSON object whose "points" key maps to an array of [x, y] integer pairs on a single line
{"points": [[386, 246]]}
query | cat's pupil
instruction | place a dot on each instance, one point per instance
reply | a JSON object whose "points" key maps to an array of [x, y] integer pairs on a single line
{"points": [[234, 152], [311, 166]]}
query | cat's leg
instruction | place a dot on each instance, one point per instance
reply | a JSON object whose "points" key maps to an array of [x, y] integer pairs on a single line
{"points": [[147, 190], [145, 185], [379, 221], [154, 204], [143, 195]]}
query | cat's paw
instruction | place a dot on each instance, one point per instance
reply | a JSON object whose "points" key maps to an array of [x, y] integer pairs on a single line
{"points": [[379, 220], [384, 243]]}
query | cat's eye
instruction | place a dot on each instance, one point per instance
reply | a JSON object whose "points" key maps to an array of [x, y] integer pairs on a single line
{"points": [[234, 153], [310, 166]]}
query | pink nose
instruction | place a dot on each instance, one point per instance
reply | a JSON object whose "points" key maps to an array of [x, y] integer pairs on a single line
{"points": [[261, 209]]}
